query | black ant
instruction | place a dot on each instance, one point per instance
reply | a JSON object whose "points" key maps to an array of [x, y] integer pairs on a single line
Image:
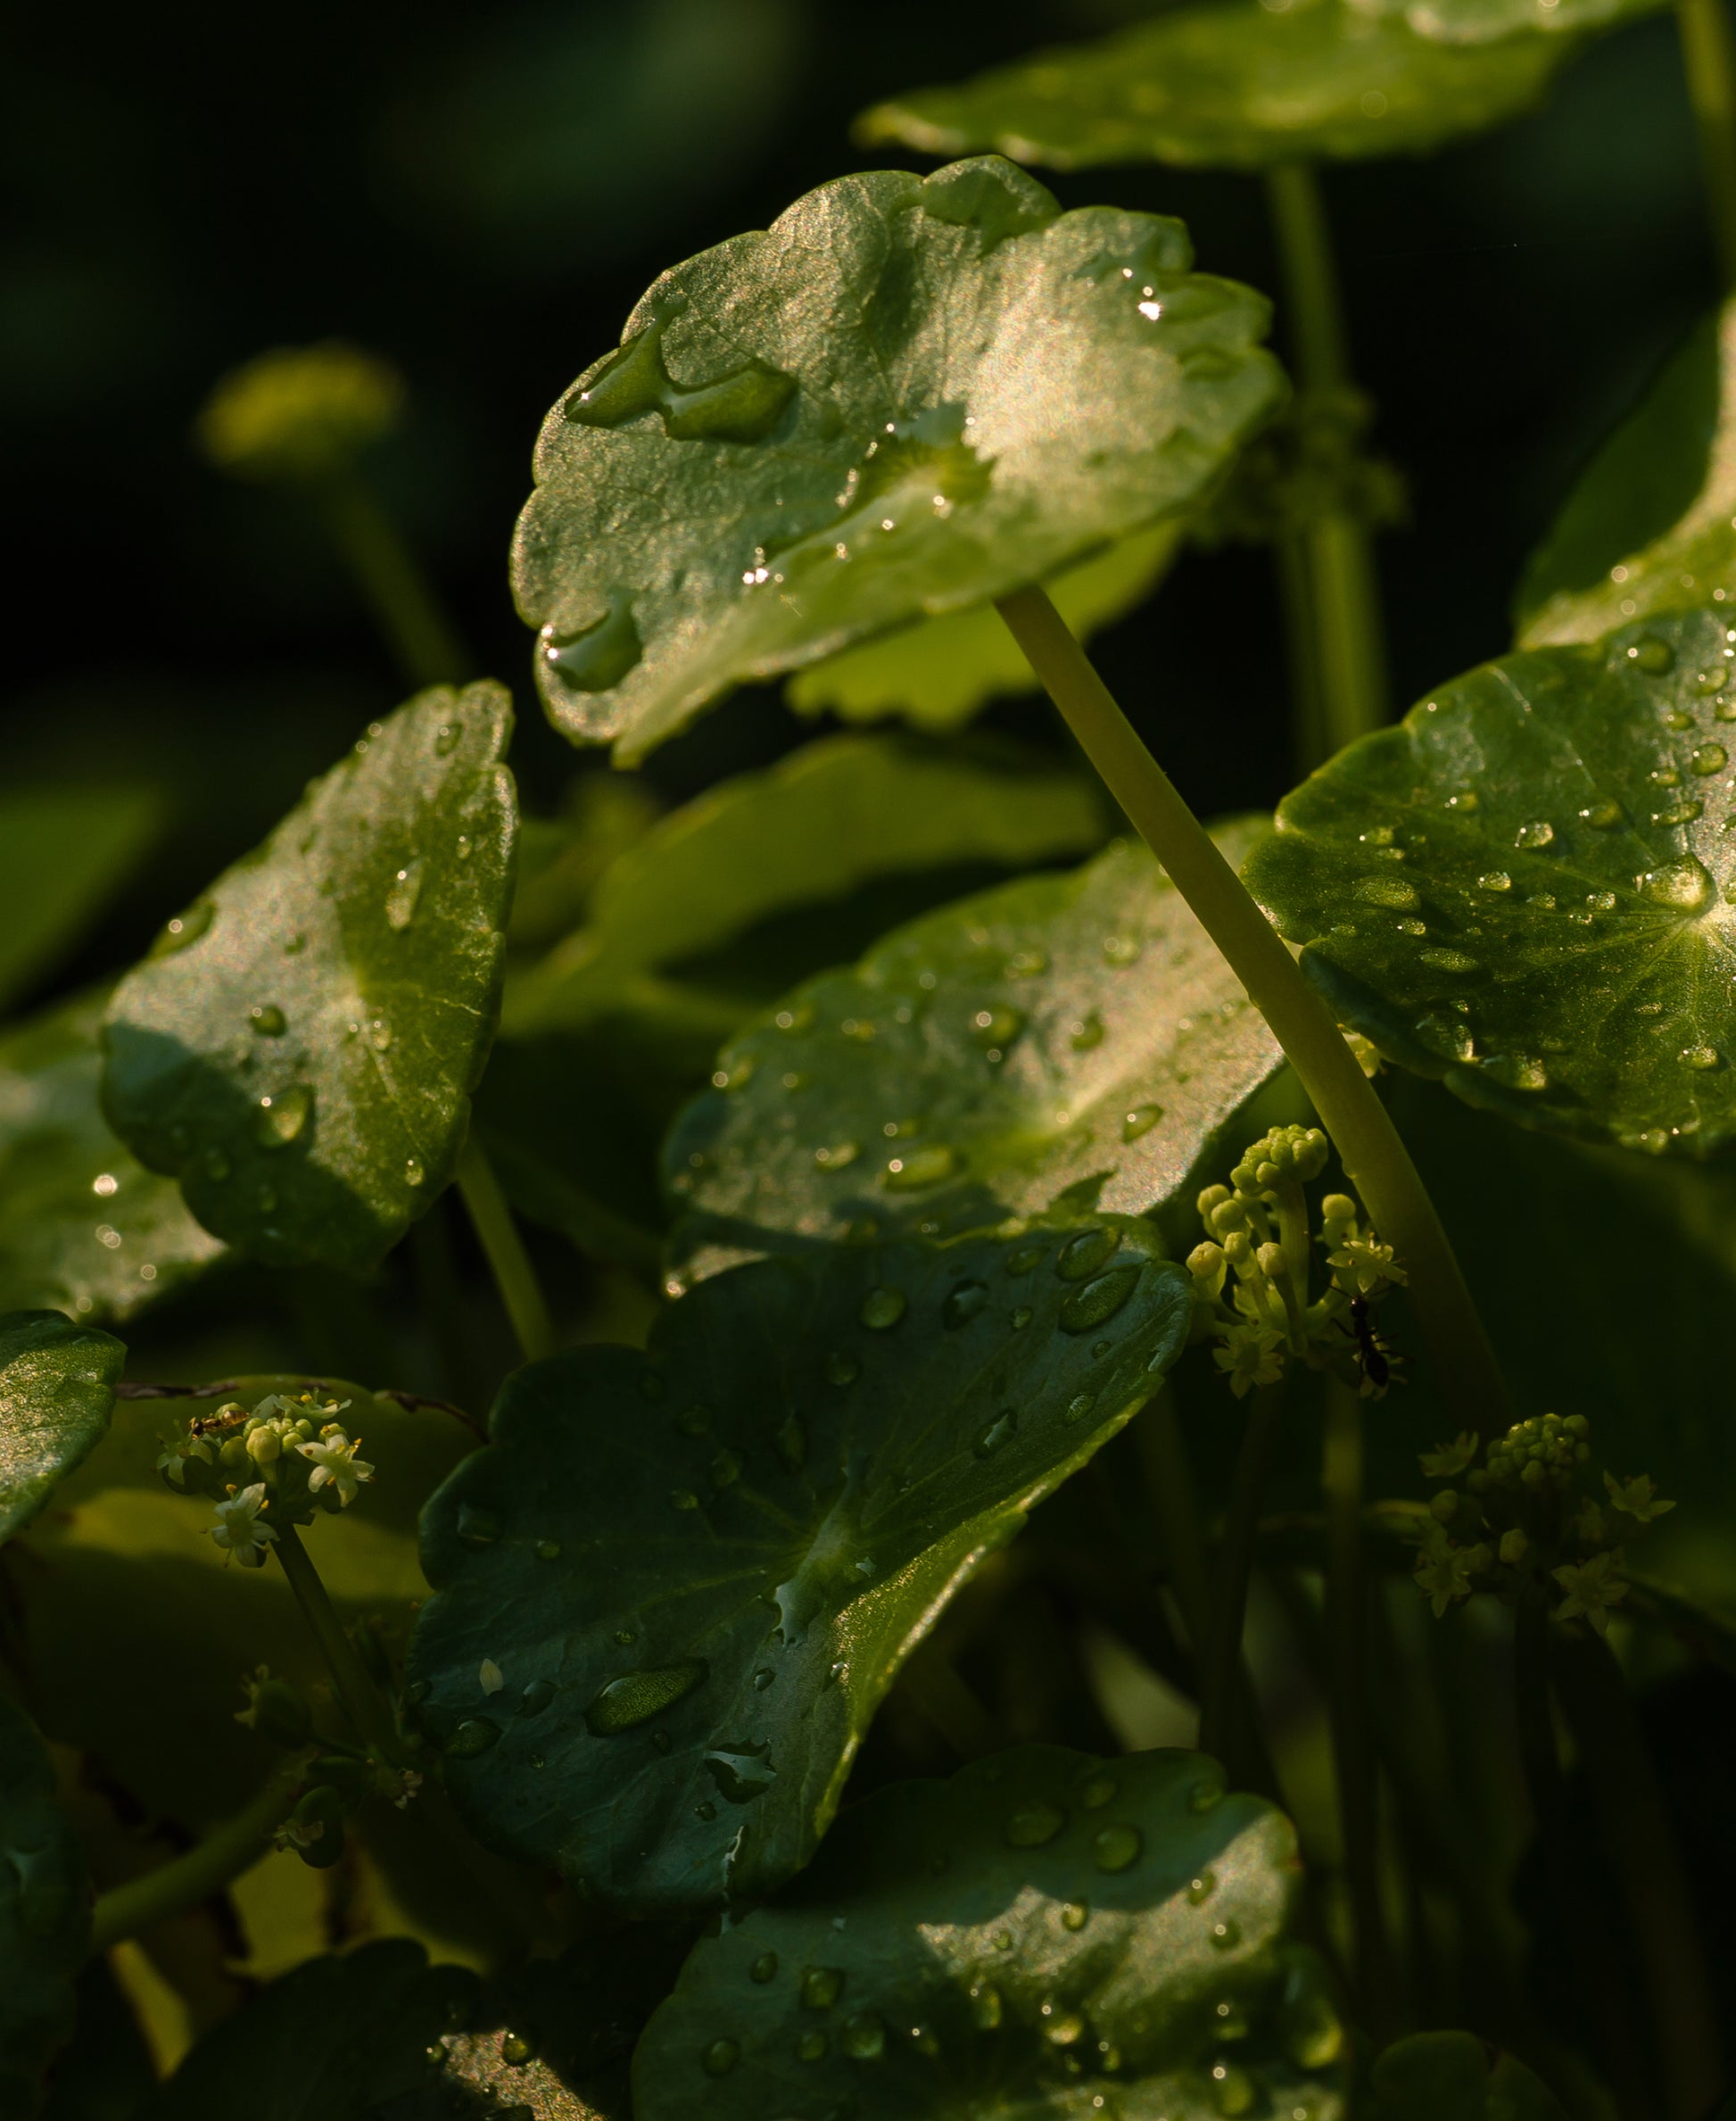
{"points": [[1374, 1359]]}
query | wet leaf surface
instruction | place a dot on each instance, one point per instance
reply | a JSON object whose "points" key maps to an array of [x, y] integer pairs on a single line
{"points": [[57, 1394], [1046, 1935], [300, 1048], [905, 399], [671, 1595]]}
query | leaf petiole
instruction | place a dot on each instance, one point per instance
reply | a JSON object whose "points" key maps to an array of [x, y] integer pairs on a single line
{"points": [[404, 607], [206, 1867], [361, 1699], [508, 1261], [1350, 1109], [1709, 57]]}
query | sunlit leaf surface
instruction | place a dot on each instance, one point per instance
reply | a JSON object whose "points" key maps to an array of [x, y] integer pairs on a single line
{"points": [[56, 1392]]}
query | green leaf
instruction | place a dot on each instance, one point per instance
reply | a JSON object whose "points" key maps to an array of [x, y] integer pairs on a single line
{"points": [[1045, 1936], [1240, 86], [1011, 388], [1487, 22], [809, 830], [1449, 2076], [1525, 887], [63, 854], [45, 1917], [1648, 527], [57, 1394], [938, 672], [300, 1047], [978, 1064], [337, 2039], [672, 1594], [84, 1227]]}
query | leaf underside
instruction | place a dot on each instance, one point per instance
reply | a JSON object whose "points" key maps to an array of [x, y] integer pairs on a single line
{"points": [[1527, 887], [300, 1048], [1044, 1935], [977, 1064], [905, 399], [1243, 86], [671, 1595]]}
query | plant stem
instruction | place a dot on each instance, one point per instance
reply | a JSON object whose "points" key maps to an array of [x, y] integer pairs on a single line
{"points": [[508, 1261], [1347, 1706], [1221, 1673], [175, 1888], [1337, 555], [362, 1703], [403, 605], [1708, 57], [1169, 1482], [1350, 1109], [1308, 737], [1638, 1845]]}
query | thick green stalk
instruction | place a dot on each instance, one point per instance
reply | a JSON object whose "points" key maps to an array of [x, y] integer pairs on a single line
{"points": [[1640, 1845], [1221, 1673], [174, 1887], [1348, 1707], [356, 1690], [1708, 55], [1350, 1109], [403, 606], [1337, 552], [508, 1261]]}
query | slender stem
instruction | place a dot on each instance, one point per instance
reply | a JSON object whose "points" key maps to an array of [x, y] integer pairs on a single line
{"points": [[174, 1887], [931, 1683], [508, 1261], [403, 605], [1349, 684], [1580, 1913], [1350, 1109], [1220, 1677], [1308, 721], [1347, 1706], [361, 1700], [1708, 57], [1169, 1482], [1640, 1845]]}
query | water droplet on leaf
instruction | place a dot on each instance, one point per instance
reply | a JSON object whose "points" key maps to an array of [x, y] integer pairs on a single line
{"points": [[882, 1309], [633, 1699]]}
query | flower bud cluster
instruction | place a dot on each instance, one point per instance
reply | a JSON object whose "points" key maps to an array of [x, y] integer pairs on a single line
{"points": [[1259, 1249], [300, 413], [1523, 1527], [279, 1464]]}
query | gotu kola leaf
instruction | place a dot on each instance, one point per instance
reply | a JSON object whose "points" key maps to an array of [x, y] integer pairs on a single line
{"points": [[1652, 526], [1527, 887], [84, 1227], [1044, 1935], [300, 1048], [670, 1595], [1241, 87], [45, 1917], [938, 672], [906, 397], [977, 1064], [56, 1394]]}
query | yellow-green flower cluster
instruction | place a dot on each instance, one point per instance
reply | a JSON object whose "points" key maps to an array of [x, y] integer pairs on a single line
{"points": [[1259, 1249], [1519, 1530], [278, 1464], [300, 413]]}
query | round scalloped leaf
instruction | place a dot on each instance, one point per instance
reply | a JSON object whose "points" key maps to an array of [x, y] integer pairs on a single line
{"points": [[84, 1227], [44, 1916], [1527, 887], [671, 1595], [1487, 22], [300, 1047], [1652, 525], [978, 1064], [938, 672], [1242, 87], [1452, 2076], [905, 398], [1047, 1935], [56, 1394]]}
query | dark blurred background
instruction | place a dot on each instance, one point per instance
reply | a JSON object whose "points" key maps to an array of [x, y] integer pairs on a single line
{"points": [[480, 192]]}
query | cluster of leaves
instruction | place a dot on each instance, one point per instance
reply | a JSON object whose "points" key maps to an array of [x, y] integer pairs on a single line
{"points": [[916, 1274]]}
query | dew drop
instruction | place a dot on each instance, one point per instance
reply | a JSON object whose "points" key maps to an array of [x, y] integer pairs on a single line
{"points": [[268, 1020], [401, 895], [1117, 1848], [720, 2058], [1140, 1120], [635, 1697], [548, 1550], [1098, 1301], [1537, 832], [964, 1304], [1122, 950], [882, 1307], [379, 1034], [842, 1369], [1709, 758], [1078, 1407], [1656, 658], [1075, 1915], [1226, 1935], [1201, 1888], [1099, 1791], [1022, 1317], [837, 1156], [1033, 1825], [1206, 1796], [473, 1737], [765, 1968], [811, 2047], [536, 1697], [1683, 886], [821, 1987], [1080, 1256], [1388, 891], [598, 657], [1700, 1058], [922, 1168], [1024, 1259], [414, 1172], [185, 929], [997, 1435], [986, 2006], [1086, 1032], [1497, 880], [1233, 2090], [791, 1443], [277, 1121], [864, 2037]]}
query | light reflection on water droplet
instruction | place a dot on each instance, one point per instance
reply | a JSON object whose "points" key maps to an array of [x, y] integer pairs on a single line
{"points": [[403, 894]]}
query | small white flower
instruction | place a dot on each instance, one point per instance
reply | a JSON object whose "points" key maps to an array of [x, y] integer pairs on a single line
{"points": [[239, 1531], [334, 1458], [489, 1676]]}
